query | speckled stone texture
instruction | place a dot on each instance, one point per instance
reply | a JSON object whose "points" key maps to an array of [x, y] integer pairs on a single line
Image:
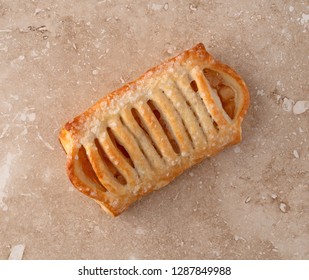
{"points": [[59, 57]]}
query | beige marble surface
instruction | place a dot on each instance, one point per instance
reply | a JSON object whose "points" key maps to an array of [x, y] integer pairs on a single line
{"points": [[58, 57]]}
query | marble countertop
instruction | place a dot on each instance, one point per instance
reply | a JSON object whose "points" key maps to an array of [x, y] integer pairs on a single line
{"points": [[249, 202]]}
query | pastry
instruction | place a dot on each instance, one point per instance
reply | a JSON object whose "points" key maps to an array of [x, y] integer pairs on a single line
{"points": [[138, 138]]}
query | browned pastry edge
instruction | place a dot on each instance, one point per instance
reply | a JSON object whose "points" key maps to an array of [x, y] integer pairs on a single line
{"points": [[69, 132]]}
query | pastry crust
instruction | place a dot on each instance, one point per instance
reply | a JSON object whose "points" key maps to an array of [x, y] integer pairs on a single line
{"points": [[140, 137]]}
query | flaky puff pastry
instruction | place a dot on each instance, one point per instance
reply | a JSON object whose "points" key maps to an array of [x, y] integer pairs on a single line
{"points": [[140, 137]]}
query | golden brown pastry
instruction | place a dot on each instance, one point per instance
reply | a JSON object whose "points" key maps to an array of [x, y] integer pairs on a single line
{"points": [[140, 137]]}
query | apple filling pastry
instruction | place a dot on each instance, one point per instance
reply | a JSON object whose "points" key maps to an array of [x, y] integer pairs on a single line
{"points": [[140, 137]]}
